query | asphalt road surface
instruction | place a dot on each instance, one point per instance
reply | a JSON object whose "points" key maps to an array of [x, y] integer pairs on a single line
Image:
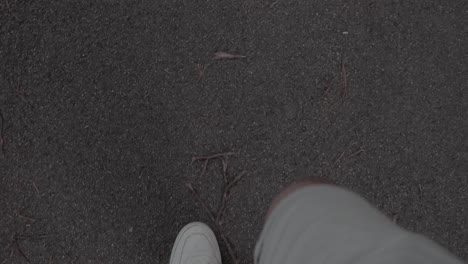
{"points": [[105, 103]]}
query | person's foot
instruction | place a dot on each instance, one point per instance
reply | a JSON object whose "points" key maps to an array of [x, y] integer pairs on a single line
{"points": [[195, 244]]}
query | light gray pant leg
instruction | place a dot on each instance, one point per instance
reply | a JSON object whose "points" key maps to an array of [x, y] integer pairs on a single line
{"points": [[328, 224]]}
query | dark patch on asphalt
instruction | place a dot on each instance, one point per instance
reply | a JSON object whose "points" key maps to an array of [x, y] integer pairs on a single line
{"points": [[104, 108]]}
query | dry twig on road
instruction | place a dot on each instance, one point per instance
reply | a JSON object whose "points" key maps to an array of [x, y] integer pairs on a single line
{"points": [[227, 56], [228, 184], [2, 131]]}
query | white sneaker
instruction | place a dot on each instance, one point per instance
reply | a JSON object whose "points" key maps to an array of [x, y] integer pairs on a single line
{"points": [[195, 244]]}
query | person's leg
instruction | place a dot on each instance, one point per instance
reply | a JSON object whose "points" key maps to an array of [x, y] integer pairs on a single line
{"points": [[293, 188], [195, 244], [311, 222]]}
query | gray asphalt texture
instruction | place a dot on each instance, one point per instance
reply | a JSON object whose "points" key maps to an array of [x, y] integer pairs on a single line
{"points": [[106, 102]]}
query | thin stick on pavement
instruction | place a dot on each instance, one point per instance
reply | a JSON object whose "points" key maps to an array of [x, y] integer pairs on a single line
{"points": [[2, 131]]}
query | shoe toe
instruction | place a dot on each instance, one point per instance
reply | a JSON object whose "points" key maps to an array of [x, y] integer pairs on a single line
{"points": [[196, 244]]}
